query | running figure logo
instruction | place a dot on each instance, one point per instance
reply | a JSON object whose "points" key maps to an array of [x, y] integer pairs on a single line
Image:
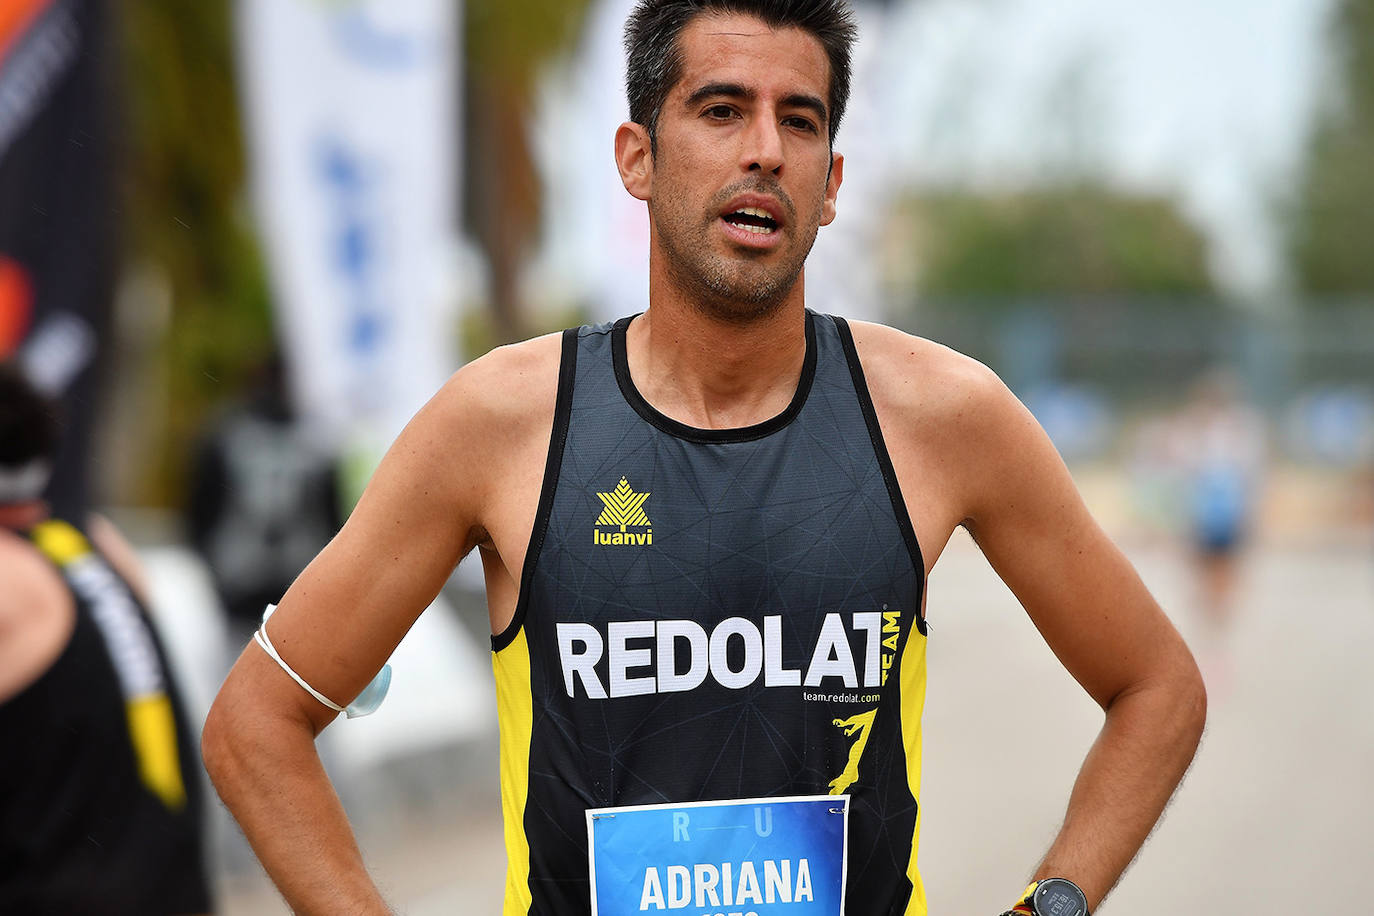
{"points": [[623, 508], [863, 724]]}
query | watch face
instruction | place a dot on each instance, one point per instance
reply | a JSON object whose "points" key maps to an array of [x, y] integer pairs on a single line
{"points": [[1058, 897]]}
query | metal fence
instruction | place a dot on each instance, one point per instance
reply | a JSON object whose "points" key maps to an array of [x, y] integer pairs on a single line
{"points": [[1308, 366]]}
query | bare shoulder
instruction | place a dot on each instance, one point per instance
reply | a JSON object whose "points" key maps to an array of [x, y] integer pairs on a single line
{"points": [[514, 384], [36, 614], [956, 433], [475, 439], [30, 581], [120, 554], [915, 380], [496, 404]]}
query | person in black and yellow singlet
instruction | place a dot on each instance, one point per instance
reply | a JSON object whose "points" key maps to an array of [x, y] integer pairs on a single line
{"points": [[706, 531], [99, 794]]}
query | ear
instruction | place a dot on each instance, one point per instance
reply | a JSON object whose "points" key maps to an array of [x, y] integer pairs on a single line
{"points": [[634, 158], [832, 188]]}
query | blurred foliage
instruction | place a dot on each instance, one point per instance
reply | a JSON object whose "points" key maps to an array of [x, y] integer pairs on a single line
{"points": [[1063, 242], [478, 332], [507, 44], [186, 218], [187, 215], [508, 41], [1332, 218]]}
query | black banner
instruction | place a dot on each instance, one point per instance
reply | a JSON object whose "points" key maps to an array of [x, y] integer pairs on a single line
{"points": [[58, 215]]}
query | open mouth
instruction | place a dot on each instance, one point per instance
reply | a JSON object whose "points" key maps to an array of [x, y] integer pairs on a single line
{"points": [[752, 219]]}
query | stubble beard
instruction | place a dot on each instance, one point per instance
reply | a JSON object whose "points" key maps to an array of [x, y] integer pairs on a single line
{"points": [[737, 289]]}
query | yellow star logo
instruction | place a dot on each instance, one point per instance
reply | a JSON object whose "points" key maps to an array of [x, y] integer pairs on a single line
{"points": [[623, 506]]}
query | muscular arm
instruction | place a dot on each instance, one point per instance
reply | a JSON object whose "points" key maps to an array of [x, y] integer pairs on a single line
{"points": [[425, 507], [1097, 616], [976, 457]]}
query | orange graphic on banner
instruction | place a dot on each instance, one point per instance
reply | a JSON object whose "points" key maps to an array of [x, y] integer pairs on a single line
{"points": [[16, 305], [15, 17]]}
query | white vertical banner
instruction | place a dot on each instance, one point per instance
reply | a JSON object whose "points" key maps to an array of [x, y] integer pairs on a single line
{"points": [[351, 109], [351, 113], [844, 271], [596, 236]]}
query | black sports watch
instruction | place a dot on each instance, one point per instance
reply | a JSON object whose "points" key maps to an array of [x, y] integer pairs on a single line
{"points": [[1052, 897]]}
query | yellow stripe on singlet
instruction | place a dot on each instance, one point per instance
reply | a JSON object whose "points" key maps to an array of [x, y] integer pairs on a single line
{"points": [[913, 705], [515, 713], [60, 542], [151, 716], [153, 729]]}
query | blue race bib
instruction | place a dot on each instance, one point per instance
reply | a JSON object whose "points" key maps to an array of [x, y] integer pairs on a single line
{"points": [[751, 857]]}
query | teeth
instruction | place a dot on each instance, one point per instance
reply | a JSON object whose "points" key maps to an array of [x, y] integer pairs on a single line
{"points": [[756, 213]]}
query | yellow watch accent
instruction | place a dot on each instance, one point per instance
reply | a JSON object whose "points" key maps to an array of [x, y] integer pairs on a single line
{"points": [[1024, 904]]}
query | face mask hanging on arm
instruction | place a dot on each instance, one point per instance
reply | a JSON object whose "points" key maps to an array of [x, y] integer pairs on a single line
{"points": [[365, 704]]}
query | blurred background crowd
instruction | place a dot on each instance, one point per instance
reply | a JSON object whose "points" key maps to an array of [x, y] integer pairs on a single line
{"points": [[244, 240]]}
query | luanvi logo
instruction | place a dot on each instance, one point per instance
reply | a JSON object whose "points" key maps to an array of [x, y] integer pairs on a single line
{"points": [[623, 509]]}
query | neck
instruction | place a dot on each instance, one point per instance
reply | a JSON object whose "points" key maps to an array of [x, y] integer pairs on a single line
{"points": [[24, 515], [713, 373]]}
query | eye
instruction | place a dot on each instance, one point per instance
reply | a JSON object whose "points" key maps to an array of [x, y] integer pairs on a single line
{"points": [[800, 123], [719, 113]]}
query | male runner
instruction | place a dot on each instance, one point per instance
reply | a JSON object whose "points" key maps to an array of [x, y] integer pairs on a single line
{"points": [[705, 532], [99, 796]]}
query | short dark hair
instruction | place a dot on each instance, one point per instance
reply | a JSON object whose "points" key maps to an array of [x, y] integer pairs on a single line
{"points": [[29, 425], [654, 55]]}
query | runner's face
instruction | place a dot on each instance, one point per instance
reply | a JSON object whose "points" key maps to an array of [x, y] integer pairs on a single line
{"points": [[742, 178]]}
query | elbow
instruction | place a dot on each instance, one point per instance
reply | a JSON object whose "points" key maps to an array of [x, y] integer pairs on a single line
{"points": [[1171, 704], [248, 734], [217, 745], [1190, 705], [225, 740]]}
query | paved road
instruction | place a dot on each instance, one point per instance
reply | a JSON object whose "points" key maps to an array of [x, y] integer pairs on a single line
{"points": [[1275, 817]]}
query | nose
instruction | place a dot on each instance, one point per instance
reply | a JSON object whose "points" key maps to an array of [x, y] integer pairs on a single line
{"points": [[762, 151]]}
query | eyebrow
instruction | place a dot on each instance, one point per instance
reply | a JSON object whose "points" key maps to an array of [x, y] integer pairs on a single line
{"points": [[743, 93]]}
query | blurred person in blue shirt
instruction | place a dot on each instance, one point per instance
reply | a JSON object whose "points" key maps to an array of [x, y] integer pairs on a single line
{"points": [[1220, 445]]}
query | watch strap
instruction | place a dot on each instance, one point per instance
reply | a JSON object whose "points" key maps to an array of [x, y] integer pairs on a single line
{"points": [[1025, 906], [1022, 907]]}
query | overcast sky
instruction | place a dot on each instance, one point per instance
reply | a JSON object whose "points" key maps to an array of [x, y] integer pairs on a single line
{"points": [[1207, 100], [1210, 99]]}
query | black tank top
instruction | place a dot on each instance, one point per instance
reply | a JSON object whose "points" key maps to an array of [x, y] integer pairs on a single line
{"points": [[708, 616], [99, 795]]}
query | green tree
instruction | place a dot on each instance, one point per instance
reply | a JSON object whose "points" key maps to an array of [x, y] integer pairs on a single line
{"points": [[186, 216], [1332, 219], [507, 44], [1056, 243]]}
